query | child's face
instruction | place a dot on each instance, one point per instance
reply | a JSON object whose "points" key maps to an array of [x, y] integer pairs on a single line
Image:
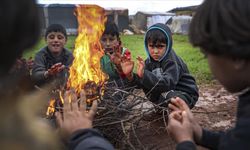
{"points": [[109, 42], [157, 50], [56, 42], [232, 74]]}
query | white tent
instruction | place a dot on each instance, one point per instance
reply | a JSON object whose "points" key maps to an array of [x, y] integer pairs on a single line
{"points": [[180, 24]]}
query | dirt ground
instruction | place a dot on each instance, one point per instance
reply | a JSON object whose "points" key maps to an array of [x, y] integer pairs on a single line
{"points": [[215, 110]]}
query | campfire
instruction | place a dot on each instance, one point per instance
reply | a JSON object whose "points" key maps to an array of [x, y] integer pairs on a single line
{"points": [[85, 72], [122, 110]]}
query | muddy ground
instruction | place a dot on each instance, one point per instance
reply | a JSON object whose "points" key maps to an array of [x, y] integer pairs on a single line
{"points": [[214, 110]]}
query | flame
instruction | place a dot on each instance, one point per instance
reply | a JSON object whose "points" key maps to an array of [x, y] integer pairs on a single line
{"points": [[87, 53], [51, 107]]}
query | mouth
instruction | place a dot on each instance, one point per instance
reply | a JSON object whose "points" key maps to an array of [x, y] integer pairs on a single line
{"points": [[56, 46]]}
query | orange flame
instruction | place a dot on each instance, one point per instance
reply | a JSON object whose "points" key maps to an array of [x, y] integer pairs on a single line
{"points": [[51, 107], [87, 53]]}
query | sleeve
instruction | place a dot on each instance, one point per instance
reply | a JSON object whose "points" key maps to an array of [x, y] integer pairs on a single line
{"points": [[186, 145], [38, 69], [89, 139], [210, 139], [161, 79]]}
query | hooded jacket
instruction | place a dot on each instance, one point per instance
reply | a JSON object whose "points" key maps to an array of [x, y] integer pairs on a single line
{"points": [[169, 73]]}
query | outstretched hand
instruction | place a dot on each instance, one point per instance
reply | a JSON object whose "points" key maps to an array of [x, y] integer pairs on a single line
{"points": [[75, 117], [56, 68], [179, 105]]}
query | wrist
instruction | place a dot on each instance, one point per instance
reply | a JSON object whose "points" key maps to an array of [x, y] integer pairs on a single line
{"points": [[197, 133], [130, 76], [184, 138]]}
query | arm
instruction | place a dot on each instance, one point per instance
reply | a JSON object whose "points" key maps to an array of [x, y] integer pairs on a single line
{"points": [[162, 80], [39, 69], [88, 139]]}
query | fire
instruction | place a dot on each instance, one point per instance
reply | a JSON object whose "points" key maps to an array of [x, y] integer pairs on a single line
{"points": [[85, 72], [51, 107], [87, 53]]}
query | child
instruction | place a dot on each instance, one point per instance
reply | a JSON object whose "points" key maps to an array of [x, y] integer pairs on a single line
{"points": [[114, 52], [52, 61], [164, 74], [224, 38]]}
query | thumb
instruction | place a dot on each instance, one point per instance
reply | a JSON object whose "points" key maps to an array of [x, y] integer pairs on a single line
{"points": [[185, 117]]}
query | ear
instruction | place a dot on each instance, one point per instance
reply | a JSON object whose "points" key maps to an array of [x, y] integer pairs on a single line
{"points": [[240, 64]]}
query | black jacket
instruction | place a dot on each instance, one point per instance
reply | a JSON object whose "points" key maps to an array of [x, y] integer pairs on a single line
{"points": [[44, 60], [88, 139], [169, 73], [237, 138]]}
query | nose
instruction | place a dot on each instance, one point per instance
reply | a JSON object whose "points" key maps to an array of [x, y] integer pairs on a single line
{"points": [[155, 50], [108, 43]]}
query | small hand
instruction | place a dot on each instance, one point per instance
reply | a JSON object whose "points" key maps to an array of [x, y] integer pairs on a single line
{"points": [[127, 68], [75, 117], [56, 68], [177, 104], [180, 127], [30, 63]]}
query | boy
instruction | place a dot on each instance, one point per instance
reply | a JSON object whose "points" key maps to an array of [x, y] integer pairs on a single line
{"points": [[224, 39], [164, 74], [52, 61], [114, 52]]}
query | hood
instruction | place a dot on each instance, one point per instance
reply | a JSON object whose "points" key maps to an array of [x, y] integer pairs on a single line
{"points": [[165, 29]]}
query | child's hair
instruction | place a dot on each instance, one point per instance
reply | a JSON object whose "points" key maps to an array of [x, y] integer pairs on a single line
{"points": [[55, 28], [155, 36], [221, 27], [112, 29], [20, 29]]}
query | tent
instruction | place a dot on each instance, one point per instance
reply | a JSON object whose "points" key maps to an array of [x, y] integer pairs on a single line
{"points": [[64, 14], [179, 24], [143, 20]]}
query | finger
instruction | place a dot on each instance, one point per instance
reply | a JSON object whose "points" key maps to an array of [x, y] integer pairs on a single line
{"points": [[171, 115], [83, 101], [173, 107], [93, 109], [74, 100], [185, 119], [66, 106], [59, 119], [177, 115], [182, 103]]}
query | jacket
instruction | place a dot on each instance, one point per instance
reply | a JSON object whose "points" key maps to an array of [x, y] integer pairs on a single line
{"points": [[169, 73], [44, 60]]}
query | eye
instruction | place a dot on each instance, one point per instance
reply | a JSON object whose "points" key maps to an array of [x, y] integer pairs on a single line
{"points": [[51, 36], [160, 46], [151, 45], [60, 37], [103, 39]]}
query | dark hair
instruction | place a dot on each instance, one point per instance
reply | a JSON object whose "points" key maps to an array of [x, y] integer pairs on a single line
{"points": [[221, 27], [55, 28], [19, 29], [112, 29], [155, 36]]}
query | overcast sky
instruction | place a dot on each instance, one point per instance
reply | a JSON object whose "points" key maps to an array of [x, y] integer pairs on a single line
{"points": [[132, 5]]}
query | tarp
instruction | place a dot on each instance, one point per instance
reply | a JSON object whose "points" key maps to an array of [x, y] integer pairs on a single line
{"points": [[179, 24]]}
